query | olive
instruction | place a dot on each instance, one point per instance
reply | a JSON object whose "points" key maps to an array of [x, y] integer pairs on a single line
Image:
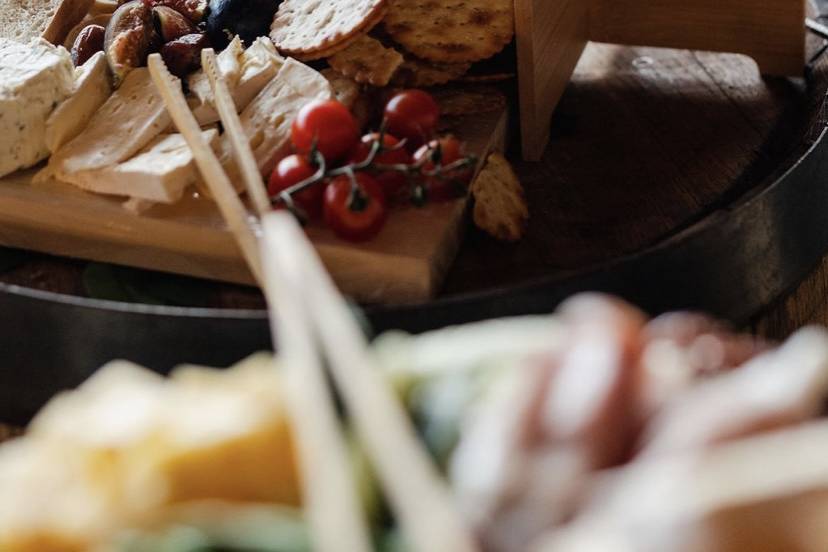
{"points": [[249, 19]]}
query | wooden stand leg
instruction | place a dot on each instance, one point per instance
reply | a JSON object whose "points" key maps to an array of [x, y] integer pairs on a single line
{"points": [[551, 35]]}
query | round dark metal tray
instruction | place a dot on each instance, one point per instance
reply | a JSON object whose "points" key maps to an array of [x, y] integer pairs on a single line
{"points": [[733, 253]]}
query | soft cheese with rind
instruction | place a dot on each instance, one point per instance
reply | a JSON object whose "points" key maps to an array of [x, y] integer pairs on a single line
{"points": [[258, 65], [160, 173], [92, 88], [268, 118], [34, 79], [129, 120]]}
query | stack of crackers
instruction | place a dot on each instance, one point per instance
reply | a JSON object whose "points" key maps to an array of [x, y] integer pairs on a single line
{"points": [[412, 43]]}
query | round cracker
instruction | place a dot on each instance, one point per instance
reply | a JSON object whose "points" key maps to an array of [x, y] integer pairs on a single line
{"points": [[308, 27], [418, 73], [451, 31]]}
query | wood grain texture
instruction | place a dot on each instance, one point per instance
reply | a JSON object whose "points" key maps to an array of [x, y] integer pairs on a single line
{"points": [[551, 35], [646, 142], [405, 263], [771, 31]]}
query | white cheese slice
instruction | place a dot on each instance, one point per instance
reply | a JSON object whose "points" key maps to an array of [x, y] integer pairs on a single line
{"points": [[34, 79], [129, 120], [229, 63], [160, 173], [268, 118], [92, 88], [259, 64]]}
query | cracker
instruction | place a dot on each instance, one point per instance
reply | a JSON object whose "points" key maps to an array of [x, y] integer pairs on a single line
{"points": [[417, 73], [451, 31], [312, 29], [459, 102], [489, 78], [345, 90], [500, 206], [367, 61]]}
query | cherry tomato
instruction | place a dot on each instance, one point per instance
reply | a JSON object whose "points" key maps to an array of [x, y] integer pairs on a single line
{"points": [[413, 115], [355, 215], [292, 170], [444, 152], [329, 124], [393, 182]]}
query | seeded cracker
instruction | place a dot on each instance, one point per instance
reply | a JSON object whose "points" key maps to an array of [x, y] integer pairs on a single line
{"points": [[367, 61], [451, 31], [500, 207], [416, 73], [313, 29], [345, 90]]}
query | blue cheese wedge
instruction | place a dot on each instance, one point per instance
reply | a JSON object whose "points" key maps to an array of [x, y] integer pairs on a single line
{"points": [[34, 79], [92, 88], [126, 123], [160, 173]]}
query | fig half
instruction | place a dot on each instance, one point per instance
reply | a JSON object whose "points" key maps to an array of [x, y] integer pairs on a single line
{"points": [[128, 38], [170, 24]]}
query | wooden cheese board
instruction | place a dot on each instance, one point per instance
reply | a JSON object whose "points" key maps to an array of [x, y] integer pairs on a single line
{"points": [[405, 263]]}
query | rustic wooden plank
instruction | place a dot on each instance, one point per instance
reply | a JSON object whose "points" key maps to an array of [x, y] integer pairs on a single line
{"points": [[405, 263], [646, 141], [771, 31], [551, 34]]}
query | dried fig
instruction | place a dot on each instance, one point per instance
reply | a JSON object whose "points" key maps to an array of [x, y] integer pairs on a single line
{"points": [[194, 10], [128, 38], [170, 24], [183, 55], [89, 42]]}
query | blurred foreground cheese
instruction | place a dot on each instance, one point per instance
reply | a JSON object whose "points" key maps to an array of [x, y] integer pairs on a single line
{"points": [[159, 173], [205, 434], [91, 90], [48, 502], [34, 79]]}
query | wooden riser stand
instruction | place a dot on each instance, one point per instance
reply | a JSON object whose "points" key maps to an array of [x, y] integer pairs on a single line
{"points": [[552, 35]]}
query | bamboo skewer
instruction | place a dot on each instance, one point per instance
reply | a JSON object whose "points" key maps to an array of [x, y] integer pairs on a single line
{"points": [[418, 496], [331, 494], [305, 303], [232, 209], [233, 129]]}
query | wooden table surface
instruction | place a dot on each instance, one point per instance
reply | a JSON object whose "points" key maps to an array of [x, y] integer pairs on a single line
{"points": [[647, 142]]}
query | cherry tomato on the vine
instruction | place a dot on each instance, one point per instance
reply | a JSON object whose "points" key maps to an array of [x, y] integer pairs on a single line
{"points": [[292, 170], [413, 115], [355, 214], [393, 182], [329, 124], [442, 153]]}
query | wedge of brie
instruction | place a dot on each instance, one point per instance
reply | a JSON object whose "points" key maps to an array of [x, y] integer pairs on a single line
{"points": [[257, 66], [92, 88], [34, 79], [129, 120], [160, 173], [268, 118]]}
